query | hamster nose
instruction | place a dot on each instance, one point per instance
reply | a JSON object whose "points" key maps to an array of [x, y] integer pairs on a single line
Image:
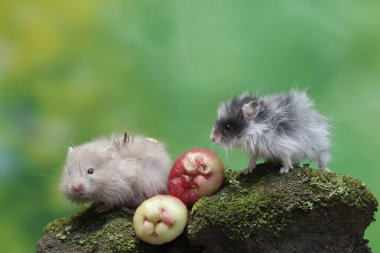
{"points": [[78, 188]]}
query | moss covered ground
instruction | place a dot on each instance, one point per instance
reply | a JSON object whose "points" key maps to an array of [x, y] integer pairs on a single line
{"points": [[262, 204]]}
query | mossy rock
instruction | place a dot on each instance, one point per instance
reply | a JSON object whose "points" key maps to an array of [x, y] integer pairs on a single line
{"points": [[91, 232], [305, 210]]}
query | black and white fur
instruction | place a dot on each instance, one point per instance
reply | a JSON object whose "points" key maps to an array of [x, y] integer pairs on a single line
{"points": [[122, 170], [283, 127]]}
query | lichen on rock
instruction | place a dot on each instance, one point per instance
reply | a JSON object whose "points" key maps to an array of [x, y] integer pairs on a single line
{"points": [[305, 210], [265, 207], [92, 232]]}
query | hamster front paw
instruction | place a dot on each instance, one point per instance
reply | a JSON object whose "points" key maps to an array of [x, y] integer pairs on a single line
{"points": [[248, 170], [284, 170], [325, 169], [129, 210], [251, 166], [102, 208]]}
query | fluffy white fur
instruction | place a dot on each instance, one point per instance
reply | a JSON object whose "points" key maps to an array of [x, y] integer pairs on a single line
{"points": [[126, 171], [281, 127]]}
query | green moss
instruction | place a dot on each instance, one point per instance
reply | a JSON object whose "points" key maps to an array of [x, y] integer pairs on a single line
{"points": [[261, 205], [91, 232], [330, 188], [56, 225], [117, 235], [233, 209]]}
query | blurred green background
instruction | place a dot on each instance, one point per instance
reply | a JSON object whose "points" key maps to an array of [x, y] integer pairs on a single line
{"points": [[73, 70]]}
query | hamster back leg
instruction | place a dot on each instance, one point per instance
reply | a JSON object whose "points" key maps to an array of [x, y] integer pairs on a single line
{"points": [[322, 159], [286, 165]]}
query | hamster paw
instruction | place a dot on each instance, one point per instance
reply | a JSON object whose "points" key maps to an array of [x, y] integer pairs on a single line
{"points": [[129, 210], [248, 170], [325, 169], [284, 170], [102, 208]]}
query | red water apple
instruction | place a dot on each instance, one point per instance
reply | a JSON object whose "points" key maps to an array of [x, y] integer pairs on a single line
{"points": [[197, 173], [160, 219]]}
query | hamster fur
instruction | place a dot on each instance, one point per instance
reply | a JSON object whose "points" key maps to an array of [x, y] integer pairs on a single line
{"points": [[283, 127], [116, 171]]}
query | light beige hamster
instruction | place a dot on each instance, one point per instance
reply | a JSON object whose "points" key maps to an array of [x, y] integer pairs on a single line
{"points": [[116, 171]]}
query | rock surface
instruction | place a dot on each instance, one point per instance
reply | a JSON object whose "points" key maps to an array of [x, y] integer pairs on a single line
{"points": [[305, 210]]}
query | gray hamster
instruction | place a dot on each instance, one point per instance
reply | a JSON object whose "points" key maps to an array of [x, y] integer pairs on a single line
{"points": [[116, 171], [283, 127]]}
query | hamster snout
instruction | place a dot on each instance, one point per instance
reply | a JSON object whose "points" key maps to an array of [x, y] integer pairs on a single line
{"points": [[213, 135], [78, 188]]}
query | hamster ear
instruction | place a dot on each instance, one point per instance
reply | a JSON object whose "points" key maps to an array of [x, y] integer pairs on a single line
{"points": [[110, 151], [118, 142], [244, 94], [251, 109], [126, 138]]}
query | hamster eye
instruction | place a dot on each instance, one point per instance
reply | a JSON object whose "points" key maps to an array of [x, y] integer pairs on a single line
{"points": [[90, 171], [227, 127]]}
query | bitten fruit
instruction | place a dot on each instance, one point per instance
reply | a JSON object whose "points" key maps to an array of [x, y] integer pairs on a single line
{"points": [[160, 219], [197, 173]]}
